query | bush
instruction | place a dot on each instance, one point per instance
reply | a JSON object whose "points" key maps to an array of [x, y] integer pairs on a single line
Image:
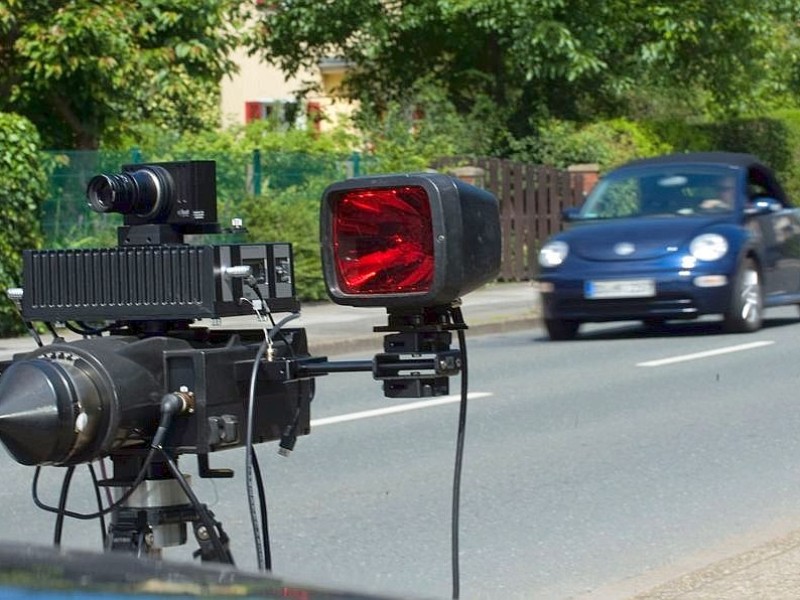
{"points": [[296, 166], [608, 143], [410, 135], [291, 215], [774, 138], [23, 188]]}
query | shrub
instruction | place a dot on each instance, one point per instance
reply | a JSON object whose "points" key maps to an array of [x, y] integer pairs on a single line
{"points": [[608, 143], [23, 188], [774, 138], [291, 215]]}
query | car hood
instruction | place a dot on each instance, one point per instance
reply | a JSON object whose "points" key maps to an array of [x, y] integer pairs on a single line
{"points": [[634, 239]]}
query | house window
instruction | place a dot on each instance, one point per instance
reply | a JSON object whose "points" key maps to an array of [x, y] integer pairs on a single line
{"points": [[284, 112], [315, 115]]}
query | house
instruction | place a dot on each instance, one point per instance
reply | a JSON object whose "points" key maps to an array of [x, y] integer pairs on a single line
{"points": [[260, 90]]}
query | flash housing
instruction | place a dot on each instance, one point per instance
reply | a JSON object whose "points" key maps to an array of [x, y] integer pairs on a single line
{"points": [[463, 250]]}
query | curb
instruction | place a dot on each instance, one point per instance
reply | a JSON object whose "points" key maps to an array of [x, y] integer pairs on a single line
{"points": [[374, 343]]}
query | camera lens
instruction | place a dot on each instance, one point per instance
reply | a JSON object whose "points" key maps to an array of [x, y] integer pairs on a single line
{"points": [[145, 192]]}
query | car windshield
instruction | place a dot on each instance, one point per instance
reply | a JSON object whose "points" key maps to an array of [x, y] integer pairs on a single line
{"points": [[662, 190]]}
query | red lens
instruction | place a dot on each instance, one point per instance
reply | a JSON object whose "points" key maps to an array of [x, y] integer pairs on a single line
{"points": [[383, 241]]}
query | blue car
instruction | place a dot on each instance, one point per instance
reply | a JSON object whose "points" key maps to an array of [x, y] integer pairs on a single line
{"points": [[674, 237]]}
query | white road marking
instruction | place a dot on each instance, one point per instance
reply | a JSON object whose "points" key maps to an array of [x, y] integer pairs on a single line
{"points": [[399, 408], [698, 355]]}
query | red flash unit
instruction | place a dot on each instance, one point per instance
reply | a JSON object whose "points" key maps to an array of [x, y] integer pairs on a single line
{"points": [[413, 240]]}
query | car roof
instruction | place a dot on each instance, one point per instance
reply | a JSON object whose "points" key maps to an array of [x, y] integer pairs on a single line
{"points": [[735, 159], [740, 160]]}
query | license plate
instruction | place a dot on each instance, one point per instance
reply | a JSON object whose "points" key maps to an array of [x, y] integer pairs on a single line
{"points": [[626, 288]]}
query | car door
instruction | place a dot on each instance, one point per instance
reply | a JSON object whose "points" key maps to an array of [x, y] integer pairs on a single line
{"points": [[778, 224]]}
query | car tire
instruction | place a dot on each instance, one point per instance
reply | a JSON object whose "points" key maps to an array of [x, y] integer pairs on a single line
{"points": [[746, 311], [561, 329]]}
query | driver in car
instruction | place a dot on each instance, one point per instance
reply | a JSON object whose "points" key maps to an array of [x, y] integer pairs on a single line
{"points": [[724, 198]]}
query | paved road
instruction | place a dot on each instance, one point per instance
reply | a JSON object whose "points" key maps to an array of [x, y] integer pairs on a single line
{"points": [[592, 469]]}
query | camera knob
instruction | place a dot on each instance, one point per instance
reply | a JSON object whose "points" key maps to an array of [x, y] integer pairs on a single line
{"points": [[239, 272]]}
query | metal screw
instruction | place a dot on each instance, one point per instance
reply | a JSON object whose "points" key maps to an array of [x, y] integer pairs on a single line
{"points": [[202, 533]]}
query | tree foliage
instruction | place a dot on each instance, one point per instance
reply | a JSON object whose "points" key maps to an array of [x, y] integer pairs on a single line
{"points": [[566, 59], [23, 186], [86, 71]]}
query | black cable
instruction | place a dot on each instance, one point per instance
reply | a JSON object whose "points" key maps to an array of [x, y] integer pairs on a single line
{"points": [[62, 505], [462, 426], [104, 474], [96, 486], [167, 410], [254, 286], [56, 338], [222, 552], [89, 516], [248, 445], [82, 328], [262, 498], [33, 333]]}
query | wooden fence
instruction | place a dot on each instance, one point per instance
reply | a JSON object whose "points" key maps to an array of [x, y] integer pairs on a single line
{"points": [[532, 198]]}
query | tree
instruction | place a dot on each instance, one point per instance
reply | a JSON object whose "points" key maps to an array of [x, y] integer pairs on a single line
{"points": [[23, 187], [86, 71], [568, 59]]}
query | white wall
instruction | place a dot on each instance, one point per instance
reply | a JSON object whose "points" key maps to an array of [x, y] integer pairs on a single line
{"points": [[254, 81]]}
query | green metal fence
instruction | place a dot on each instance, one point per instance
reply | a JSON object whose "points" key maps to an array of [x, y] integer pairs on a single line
{"points": [[68, 222]]}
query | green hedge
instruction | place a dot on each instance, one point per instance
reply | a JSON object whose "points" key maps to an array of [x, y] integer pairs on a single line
{"points": [[23, 188], [291, 215], [774, 138], [286, 210]]}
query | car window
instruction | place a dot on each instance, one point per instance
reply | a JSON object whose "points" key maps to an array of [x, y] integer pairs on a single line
{"points": [[618, 198], [662, 191], [761, 185]]}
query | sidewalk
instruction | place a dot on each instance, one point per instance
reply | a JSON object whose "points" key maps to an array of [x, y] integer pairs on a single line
{"points": [[769, 571], [334, 329]]}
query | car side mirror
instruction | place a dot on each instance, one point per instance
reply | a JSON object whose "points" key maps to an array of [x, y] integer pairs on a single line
{"points": [[570, 214], [762, 205]]}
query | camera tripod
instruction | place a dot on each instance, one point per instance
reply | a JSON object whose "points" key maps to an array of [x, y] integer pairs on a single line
{"points": [[154, 514]]}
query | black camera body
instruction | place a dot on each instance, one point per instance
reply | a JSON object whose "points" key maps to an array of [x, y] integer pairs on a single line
{"points": [[102, 395], [180, 194], [152, 275], [147, 384], [157, 282]]}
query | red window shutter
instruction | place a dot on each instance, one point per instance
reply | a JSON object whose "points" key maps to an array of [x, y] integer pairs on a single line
{"points": [[314, 112], [253, 111]]}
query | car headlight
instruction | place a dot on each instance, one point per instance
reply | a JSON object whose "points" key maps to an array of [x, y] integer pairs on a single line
{"points": [[708, 246], [553, 254]]}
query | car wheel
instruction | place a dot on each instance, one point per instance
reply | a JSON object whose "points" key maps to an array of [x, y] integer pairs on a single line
{"points": [[746, 311], [561, 329]]}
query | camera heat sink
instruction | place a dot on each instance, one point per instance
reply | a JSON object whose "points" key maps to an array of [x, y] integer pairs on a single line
{"points": [[159, 282]]}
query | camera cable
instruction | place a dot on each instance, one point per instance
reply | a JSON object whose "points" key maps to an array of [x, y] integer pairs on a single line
{"points": [[223, 553], [86, 330], [62, 505], [167, 411], [262, 499], [253, 285], [458, 319], [260, 534], [96, 485]]}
